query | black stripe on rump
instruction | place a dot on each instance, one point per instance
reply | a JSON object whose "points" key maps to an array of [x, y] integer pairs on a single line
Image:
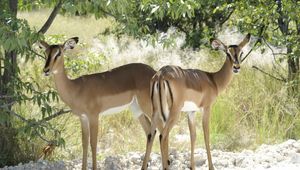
{"points": [[170, 91], [152, 92], [160, 101]]}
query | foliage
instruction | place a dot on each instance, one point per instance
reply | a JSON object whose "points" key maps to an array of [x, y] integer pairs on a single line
{"points": [[197, 19], [16, 39], [277, 23]]}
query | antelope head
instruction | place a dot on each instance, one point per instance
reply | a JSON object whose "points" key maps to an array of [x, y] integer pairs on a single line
{"points": [[54, 54], [233, 52]]}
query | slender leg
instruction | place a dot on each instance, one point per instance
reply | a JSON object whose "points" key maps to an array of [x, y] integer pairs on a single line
{"points": [[150, 138], [192, 128], [165, 137], [145, 123], [85, 139], [205, 124], [93, 138], [164, 143]]}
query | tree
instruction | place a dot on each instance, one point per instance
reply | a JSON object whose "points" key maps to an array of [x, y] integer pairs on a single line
{"points": [[197, 19], [16, 39], [275, 22]]}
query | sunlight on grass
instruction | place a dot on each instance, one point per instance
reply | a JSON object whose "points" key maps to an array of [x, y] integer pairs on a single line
{"points": [[86, 28]]}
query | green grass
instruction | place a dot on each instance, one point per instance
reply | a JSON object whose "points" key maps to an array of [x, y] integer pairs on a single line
{"points": [[254, 109]]}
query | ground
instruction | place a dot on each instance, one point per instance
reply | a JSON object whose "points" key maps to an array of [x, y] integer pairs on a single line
{"points": [[285, 155]]}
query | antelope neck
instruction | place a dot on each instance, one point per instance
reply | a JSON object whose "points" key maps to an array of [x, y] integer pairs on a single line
{"points": [[224, 75], [64, 85]]}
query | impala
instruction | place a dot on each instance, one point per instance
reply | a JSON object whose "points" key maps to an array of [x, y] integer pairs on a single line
{"points": [[174, 89], [100, 94]]}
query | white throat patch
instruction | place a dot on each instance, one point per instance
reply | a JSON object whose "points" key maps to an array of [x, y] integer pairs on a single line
{"points": [[54, 71]]}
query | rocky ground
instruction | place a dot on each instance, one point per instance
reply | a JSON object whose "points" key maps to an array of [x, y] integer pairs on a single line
{"points": [[281, 156]]}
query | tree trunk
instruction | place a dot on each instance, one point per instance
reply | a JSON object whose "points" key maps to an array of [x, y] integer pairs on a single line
{"points": [[9, 73], [293, 74], [8, 141], [293, 61]]}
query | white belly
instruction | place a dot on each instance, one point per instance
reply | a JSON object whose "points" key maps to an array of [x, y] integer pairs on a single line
{"points": [[134, 106], [190, 106], [117, 109]]}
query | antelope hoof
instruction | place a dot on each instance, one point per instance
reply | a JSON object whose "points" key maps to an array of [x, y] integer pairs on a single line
{"points": [[169, 162], [146, 167]]}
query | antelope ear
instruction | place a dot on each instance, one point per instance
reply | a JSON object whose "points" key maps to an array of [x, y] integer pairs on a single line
{"points": [[70, 43], [43, 45], [245, 40], [218, 45]]}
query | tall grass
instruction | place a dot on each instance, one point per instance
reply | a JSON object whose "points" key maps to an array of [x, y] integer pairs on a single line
{"points": [[259, 111], [254, 109]]}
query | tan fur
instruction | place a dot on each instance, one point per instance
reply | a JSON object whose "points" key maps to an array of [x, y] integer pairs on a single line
{"points": [[90, 95], [194, 85]]}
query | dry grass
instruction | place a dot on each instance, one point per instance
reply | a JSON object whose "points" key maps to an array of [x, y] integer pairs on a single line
{"points": [[86, 28]]}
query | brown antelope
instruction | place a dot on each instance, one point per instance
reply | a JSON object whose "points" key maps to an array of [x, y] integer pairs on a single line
{"points": [[174, 89], [100, 94]]}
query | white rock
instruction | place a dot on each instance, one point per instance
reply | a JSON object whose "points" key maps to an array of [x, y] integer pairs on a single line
{"points": [[295, 159], [281, 156]]}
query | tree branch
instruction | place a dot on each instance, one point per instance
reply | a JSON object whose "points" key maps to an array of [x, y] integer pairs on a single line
{"points": [[257, 41], [227, 17], [107, 13], [276, 64], [268, 45], [39, 55], [61, 112], [51, 18], [44, 139], [19, 116], [268, 74]]}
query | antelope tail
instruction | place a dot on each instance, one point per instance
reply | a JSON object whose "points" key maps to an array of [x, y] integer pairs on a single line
{"points": [[162, 98]]}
